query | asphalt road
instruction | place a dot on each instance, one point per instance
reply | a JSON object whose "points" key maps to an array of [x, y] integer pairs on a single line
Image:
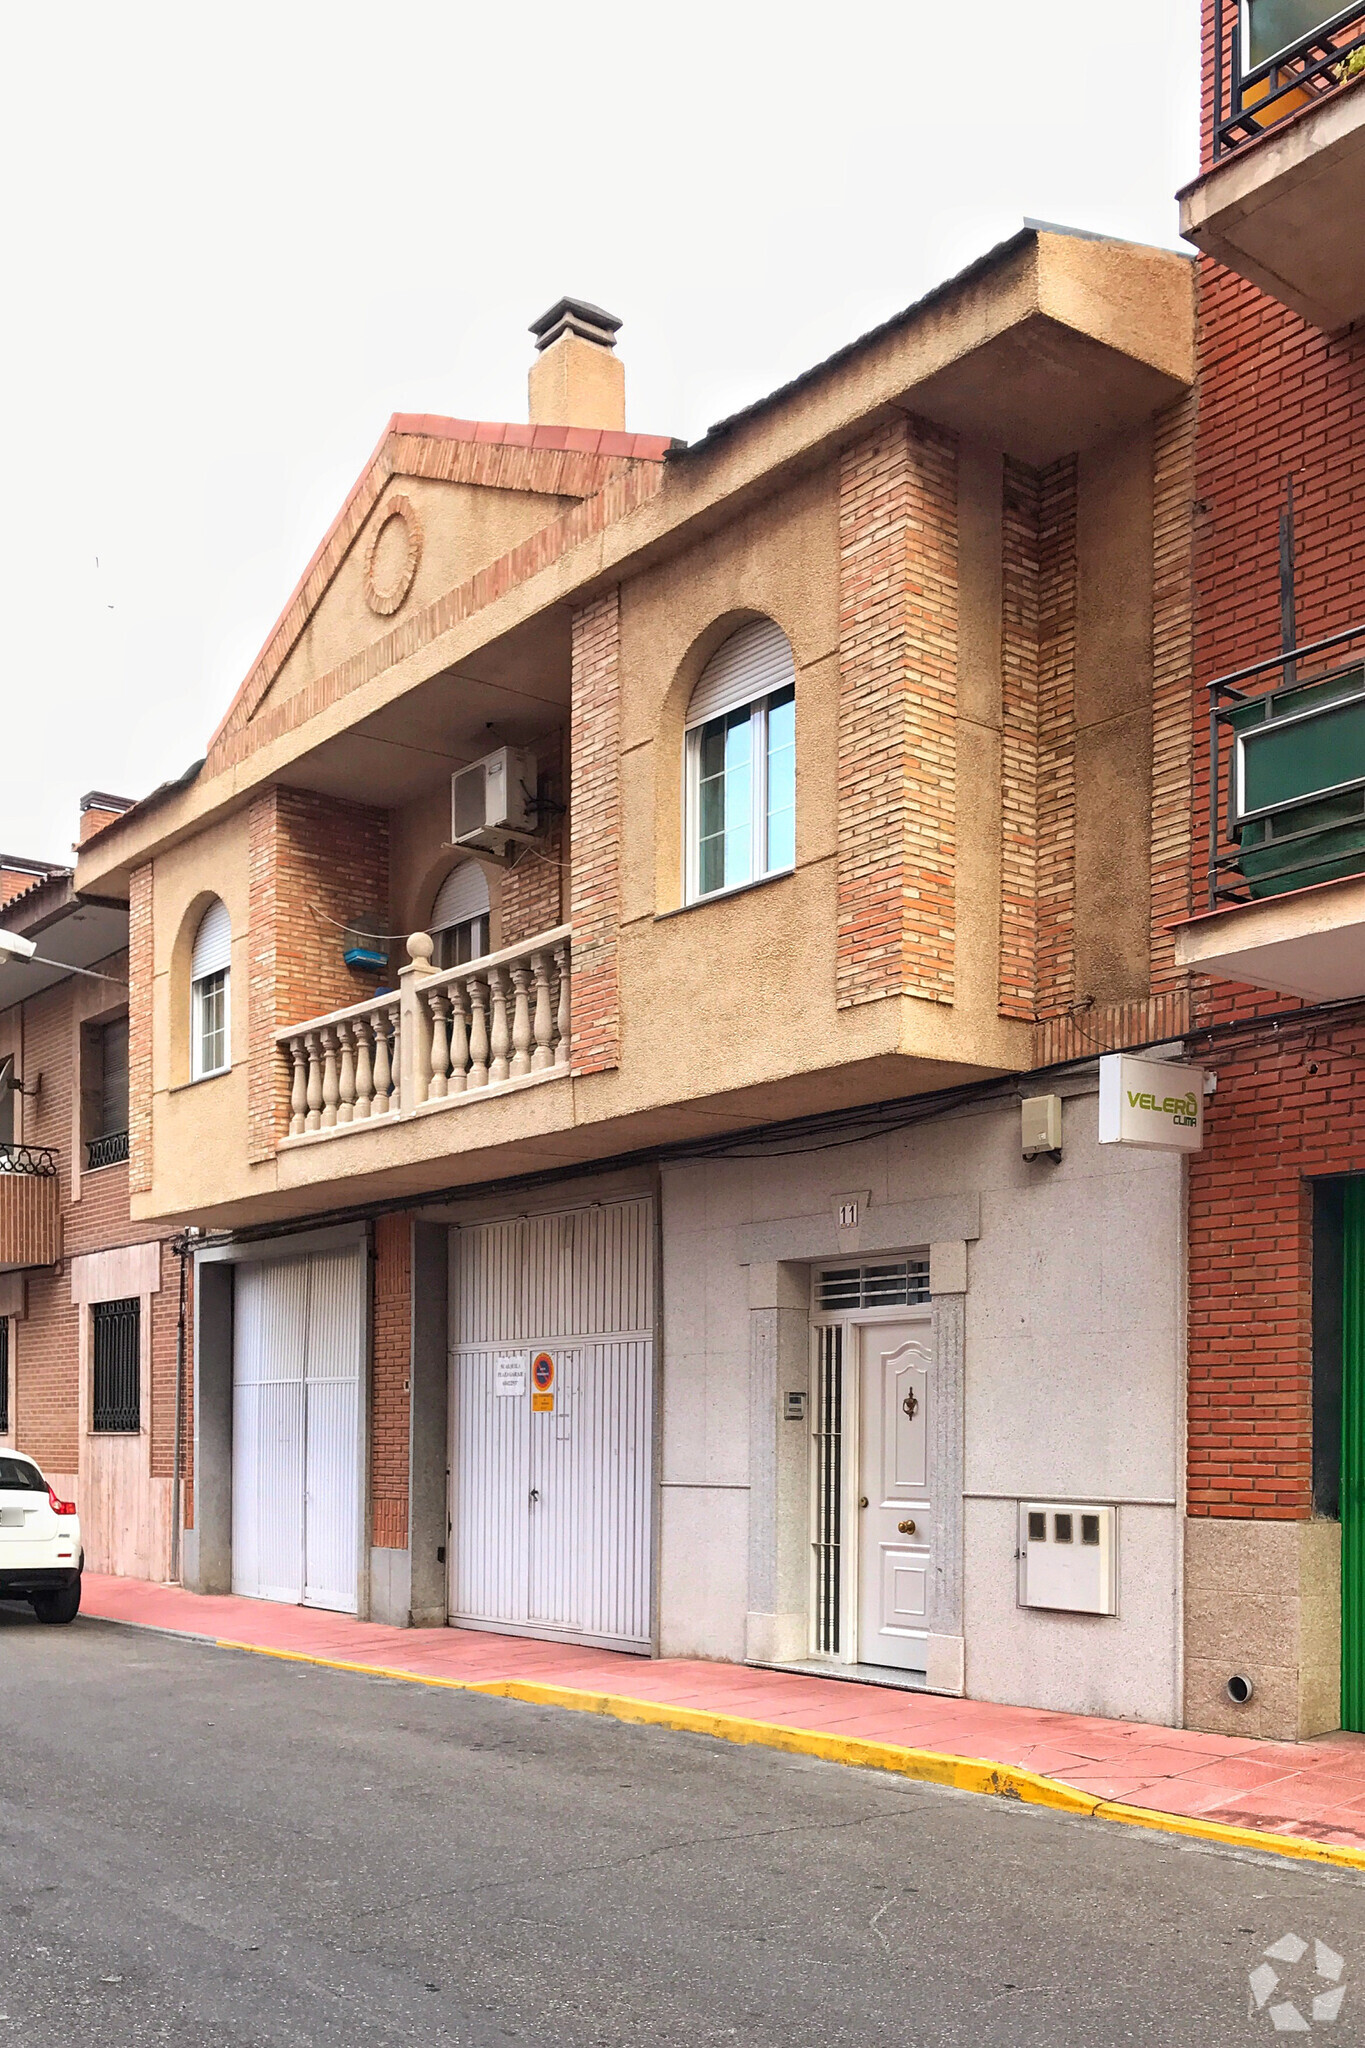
{"points": [[201, 1847]]}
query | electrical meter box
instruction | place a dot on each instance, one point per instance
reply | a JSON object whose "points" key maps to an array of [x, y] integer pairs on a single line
{"points": [[1067, 1556]]}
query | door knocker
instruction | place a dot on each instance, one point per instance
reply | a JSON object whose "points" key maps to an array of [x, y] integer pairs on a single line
{"points": [[911, 1407]]}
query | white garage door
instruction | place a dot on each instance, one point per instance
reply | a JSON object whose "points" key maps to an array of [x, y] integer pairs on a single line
{"points": [[298, 1347], [551, 1503]]}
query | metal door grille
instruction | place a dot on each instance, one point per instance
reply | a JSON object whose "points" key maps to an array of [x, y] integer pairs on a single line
{"points": [[4, 1375], [829, 1490], [118, 1345]]}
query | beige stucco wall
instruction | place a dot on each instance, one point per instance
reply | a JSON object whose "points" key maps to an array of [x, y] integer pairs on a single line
{"points": [[464, 527], [199, 1127]]}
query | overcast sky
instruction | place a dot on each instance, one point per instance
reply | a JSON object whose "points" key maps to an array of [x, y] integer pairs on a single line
{"points": [[237, 239]]}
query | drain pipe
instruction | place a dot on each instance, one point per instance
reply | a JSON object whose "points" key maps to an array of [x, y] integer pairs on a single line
{"points": [[181, 1246]]}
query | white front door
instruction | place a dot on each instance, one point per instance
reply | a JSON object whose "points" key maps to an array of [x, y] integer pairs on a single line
{"points": [[895, 1521]]}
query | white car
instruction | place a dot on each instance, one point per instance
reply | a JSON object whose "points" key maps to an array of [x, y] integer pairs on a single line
{"points": [[40, 1542]]}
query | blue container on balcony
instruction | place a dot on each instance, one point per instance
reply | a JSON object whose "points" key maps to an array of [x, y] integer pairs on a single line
{"points": [[1298, 783], [368, 958]]}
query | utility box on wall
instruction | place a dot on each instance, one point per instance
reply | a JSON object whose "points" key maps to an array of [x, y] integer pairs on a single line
{"points": [[1066, 1556]]}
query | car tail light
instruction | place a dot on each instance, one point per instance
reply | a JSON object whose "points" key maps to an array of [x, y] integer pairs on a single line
{"points": [[60, 1507]]}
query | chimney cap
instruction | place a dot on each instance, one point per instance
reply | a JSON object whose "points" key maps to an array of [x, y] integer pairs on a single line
{"points": [[100, 800], [575, 316]]}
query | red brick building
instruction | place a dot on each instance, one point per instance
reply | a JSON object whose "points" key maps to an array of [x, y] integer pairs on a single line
{"points": [[89, 1300], [1275, 940]]}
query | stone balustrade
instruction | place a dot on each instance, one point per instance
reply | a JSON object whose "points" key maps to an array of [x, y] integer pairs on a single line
{"points": [[498, 1023]]}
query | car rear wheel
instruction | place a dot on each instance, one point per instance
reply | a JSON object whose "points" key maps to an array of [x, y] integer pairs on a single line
{"points": [[63, 1603]]}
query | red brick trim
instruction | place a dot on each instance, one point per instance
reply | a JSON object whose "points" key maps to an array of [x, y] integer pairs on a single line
{"points": [[595, 832], [897, 714], [390, 1382]]}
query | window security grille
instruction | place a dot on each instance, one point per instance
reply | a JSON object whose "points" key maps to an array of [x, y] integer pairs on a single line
{"points": [[4, 1375], [117, 1327], [829, 1502], [896, 1283]]}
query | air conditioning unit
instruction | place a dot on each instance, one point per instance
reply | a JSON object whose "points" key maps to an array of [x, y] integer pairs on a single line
{"points": [[494, 800]]}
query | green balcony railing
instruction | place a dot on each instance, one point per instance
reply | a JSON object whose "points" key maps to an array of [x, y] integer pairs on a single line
{"points": [[1289, 749]]}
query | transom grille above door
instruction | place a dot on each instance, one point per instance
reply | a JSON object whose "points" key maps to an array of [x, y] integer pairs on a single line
{"points": [[888, 1283]]}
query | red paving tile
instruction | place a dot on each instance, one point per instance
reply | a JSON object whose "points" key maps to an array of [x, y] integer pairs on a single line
{"points": [[1312, 1788]]}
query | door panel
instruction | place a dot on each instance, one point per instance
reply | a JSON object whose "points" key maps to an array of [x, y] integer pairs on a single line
{"points": [[550, 1508], [298, 1330], [896, 1524]]}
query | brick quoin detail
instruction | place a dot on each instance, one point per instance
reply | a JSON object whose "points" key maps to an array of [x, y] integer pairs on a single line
{"points": [[531, 891], [1056, 955], [898, 600], [1019, 743], [595, 833], [392, 1369], [141, 969], [313, 863]]}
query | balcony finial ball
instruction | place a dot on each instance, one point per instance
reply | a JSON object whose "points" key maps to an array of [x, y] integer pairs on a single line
{"points": [[420, 949]]}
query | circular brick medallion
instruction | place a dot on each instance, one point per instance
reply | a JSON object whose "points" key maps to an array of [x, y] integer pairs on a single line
{"points": [[393, 554]]}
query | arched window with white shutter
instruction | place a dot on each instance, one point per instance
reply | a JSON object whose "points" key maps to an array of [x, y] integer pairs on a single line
{"points": [[210, 993], [741, 763], [460, 915]]}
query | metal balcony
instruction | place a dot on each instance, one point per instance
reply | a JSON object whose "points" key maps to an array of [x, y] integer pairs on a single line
{"points": [[1283, 56], [30, 1208]]}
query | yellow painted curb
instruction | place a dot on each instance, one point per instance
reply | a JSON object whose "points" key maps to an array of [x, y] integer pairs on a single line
{"points": [[925, 1766]]}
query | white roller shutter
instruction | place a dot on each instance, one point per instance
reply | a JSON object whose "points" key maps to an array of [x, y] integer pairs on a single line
{"points": [[212, 942], [751, 664], [462, 895], [551, 1511]]}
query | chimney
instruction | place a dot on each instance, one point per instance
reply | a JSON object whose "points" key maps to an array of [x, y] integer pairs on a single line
{"points": [[577, 379], [99, 809]]}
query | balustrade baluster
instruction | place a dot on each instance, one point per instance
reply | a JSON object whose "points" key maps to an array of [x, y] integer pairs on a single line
{"points": [[331, 1089], [478, 1032], [383, 1073], [438, 1002], [313, 1120], [543, 1056], [298, 1094], [346, 1081], [459, 1038], [364, 1072], [395, 1027], [563, 1048], [500, 1039], [521, 1020]]}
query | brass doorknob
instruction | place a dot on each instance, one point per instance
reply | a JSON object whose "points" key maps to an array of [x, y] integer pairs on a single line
{"points": [[863, 1502], [906, 1528]]}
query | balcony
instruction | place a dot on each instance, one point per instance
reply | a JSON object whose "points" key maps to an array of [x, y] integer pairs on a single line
{"points": [[1283, 201], [1286, 847], [30, 1208], [492, 1027]]}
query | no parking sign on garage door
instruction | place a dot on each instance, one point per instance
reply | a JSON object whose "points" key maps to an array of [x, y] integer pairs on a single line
{"points": [[543, 1382]]}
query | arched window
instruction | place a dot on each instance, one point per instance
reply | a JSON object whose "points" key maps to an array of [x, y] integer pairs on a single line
{"points": [[459, 916], [210, 975], [741, 763]]}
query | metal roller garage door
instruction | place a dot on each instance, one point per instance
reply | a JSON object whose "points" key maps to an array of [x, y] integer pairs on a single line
{"points": [[298, 1347], [551, 1504]]}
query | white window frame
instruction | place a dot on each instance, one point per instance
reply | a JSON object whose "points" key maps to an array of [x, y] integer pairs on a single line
{"points": [[757, 708], [198, 1071]]}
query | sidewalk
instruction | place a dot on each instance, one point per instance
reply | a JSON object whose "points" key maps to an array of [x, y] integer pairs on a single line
{"points": [[1311, 1792]]}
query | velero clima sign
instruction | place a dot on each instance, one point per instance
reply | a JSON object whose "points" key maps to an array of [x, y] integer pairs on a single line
{"points": [[1153, 1104]]}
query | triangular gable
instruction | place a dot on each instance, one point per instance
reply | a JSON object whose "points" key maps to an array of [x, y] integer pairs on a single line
{"points": [[562, 464]]}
